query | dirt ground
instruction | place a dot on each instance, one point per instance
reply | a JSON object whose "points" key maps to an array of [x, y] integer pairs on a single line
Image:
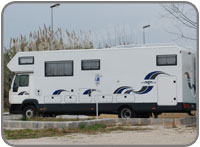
{"points": [[151, 135]]}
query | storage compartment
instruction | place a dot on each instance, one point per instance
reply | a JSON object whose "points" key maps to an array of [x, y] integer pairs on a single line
{"points": [[126, 98], [70, 99], [103, 98], [52, 99]]}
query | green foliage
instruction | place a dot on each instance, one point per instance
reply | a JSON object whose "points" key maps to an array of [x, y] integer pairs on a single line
{"points": [[96, 127], [29, 133], [23, 118], [49, 132], [82, 126]]}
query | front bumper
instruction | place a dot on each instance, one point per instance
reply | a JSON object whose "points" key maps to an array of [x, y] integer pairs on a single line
{"points": [[15, 109]]}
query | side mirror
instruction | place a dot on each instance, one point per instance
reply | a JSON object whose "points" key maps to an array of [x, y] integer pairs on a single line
{"points": [[10, 81], [15, 88]]}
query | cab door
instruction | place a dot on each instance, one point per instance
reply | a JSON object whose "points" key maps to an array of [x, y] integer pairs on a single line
{"points": [[20, 89]]}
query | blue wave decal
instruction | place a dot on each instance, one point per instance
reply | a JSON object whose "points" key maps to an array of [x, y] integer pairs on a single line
{"points": [[120, 89], [22, 93], [128, 91], [88, 91], [153, 75], [141, 90], [148, 89], [58, 92], [149, 75], [144, 89]]}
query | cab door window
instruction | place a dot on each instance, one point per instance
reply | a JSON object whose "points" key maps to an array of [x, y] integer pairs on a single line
{"points": [[23, 80], [20, 81]]}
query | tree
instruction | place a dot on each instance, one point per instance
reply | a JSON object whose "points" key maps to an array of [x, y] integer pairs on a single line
{"points": [[184, 17]]}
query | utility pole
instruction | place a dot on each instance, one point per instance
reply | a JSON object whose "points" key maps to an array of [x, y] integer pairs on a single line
{"points": [[144, 27], [52, 33]]}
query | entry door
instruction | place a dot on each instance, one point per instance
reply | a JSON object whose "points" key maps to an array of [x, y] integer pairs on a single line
{"points": [[167, 90]]}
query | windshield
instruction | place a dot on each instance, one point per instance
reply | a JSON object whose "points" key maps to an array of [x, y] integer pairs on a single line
{"points": [[20, 81]]}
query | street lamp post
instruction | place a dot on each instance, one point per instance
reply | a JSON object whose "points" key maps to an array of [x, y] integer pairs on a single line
{"points": [[55, 5], [146, 26]]}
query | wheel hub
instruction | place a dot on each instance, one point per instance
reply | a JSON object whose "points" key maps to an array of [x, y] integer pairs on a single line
{"points": [[29, 113], [126, 113]]}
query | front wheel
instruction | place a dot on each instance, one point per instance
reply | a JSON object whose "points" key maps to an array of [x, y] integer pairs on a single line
{"points": [[125, 112], [29, 111]]}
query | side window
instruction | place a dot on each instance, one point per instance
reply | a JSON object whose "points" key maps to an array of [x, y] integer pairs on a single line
{"points": [[26, 60], [58, 68], [166, 60], [90, 64]]}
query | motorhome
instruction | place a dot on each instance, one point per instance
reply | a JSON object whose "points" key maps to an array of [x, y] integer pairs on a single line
{"points": [[128, 81]]}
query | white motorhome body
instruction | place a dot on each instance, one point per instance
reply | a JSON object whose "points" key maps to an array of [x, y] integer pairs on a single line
{"points": [[132, 82]]}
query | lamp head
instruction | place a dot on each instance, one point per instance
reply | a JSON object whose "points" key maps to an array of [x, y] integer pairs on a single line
{"points": [[146, 26], [55, 5]]}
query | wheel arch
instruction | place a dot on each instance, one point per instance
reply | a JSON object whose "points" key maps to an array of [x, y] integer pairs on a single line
{"points": [[125, 106], [29, 102]]}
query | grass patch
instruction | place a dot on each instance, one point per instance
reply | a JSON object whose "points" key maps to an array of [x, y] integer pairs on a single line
{"points": [[24, 118], [92, 129], [29, 133], [120, 128]]}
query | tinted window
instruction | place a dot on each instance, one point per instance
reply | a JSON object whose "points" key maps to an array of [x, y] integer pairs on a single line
{"points": [[59, 68], [16, 84], [26, 60], [163, 60], [90, 64], [23, 80], [20, 81]]}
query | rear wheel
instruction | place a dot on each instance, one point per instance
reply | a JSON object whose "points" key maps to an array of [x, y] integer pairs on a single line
{"points": [[155, 115], [29, 111], [125, 112]]}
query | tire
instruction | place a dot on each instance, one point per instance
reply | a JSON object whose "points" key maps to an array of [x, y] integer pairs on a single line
{"points": [[29, 111], [155, 115], [126, 112]]}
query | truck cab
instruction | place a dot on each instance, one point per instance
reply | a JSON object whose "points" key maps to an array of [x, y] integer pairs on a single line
{"points": [[20, 92], [20, 88]]}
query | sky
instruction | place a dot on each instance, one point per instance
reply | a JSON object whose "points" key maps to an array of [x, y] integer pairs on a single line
{"points": [[99, 18]]}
